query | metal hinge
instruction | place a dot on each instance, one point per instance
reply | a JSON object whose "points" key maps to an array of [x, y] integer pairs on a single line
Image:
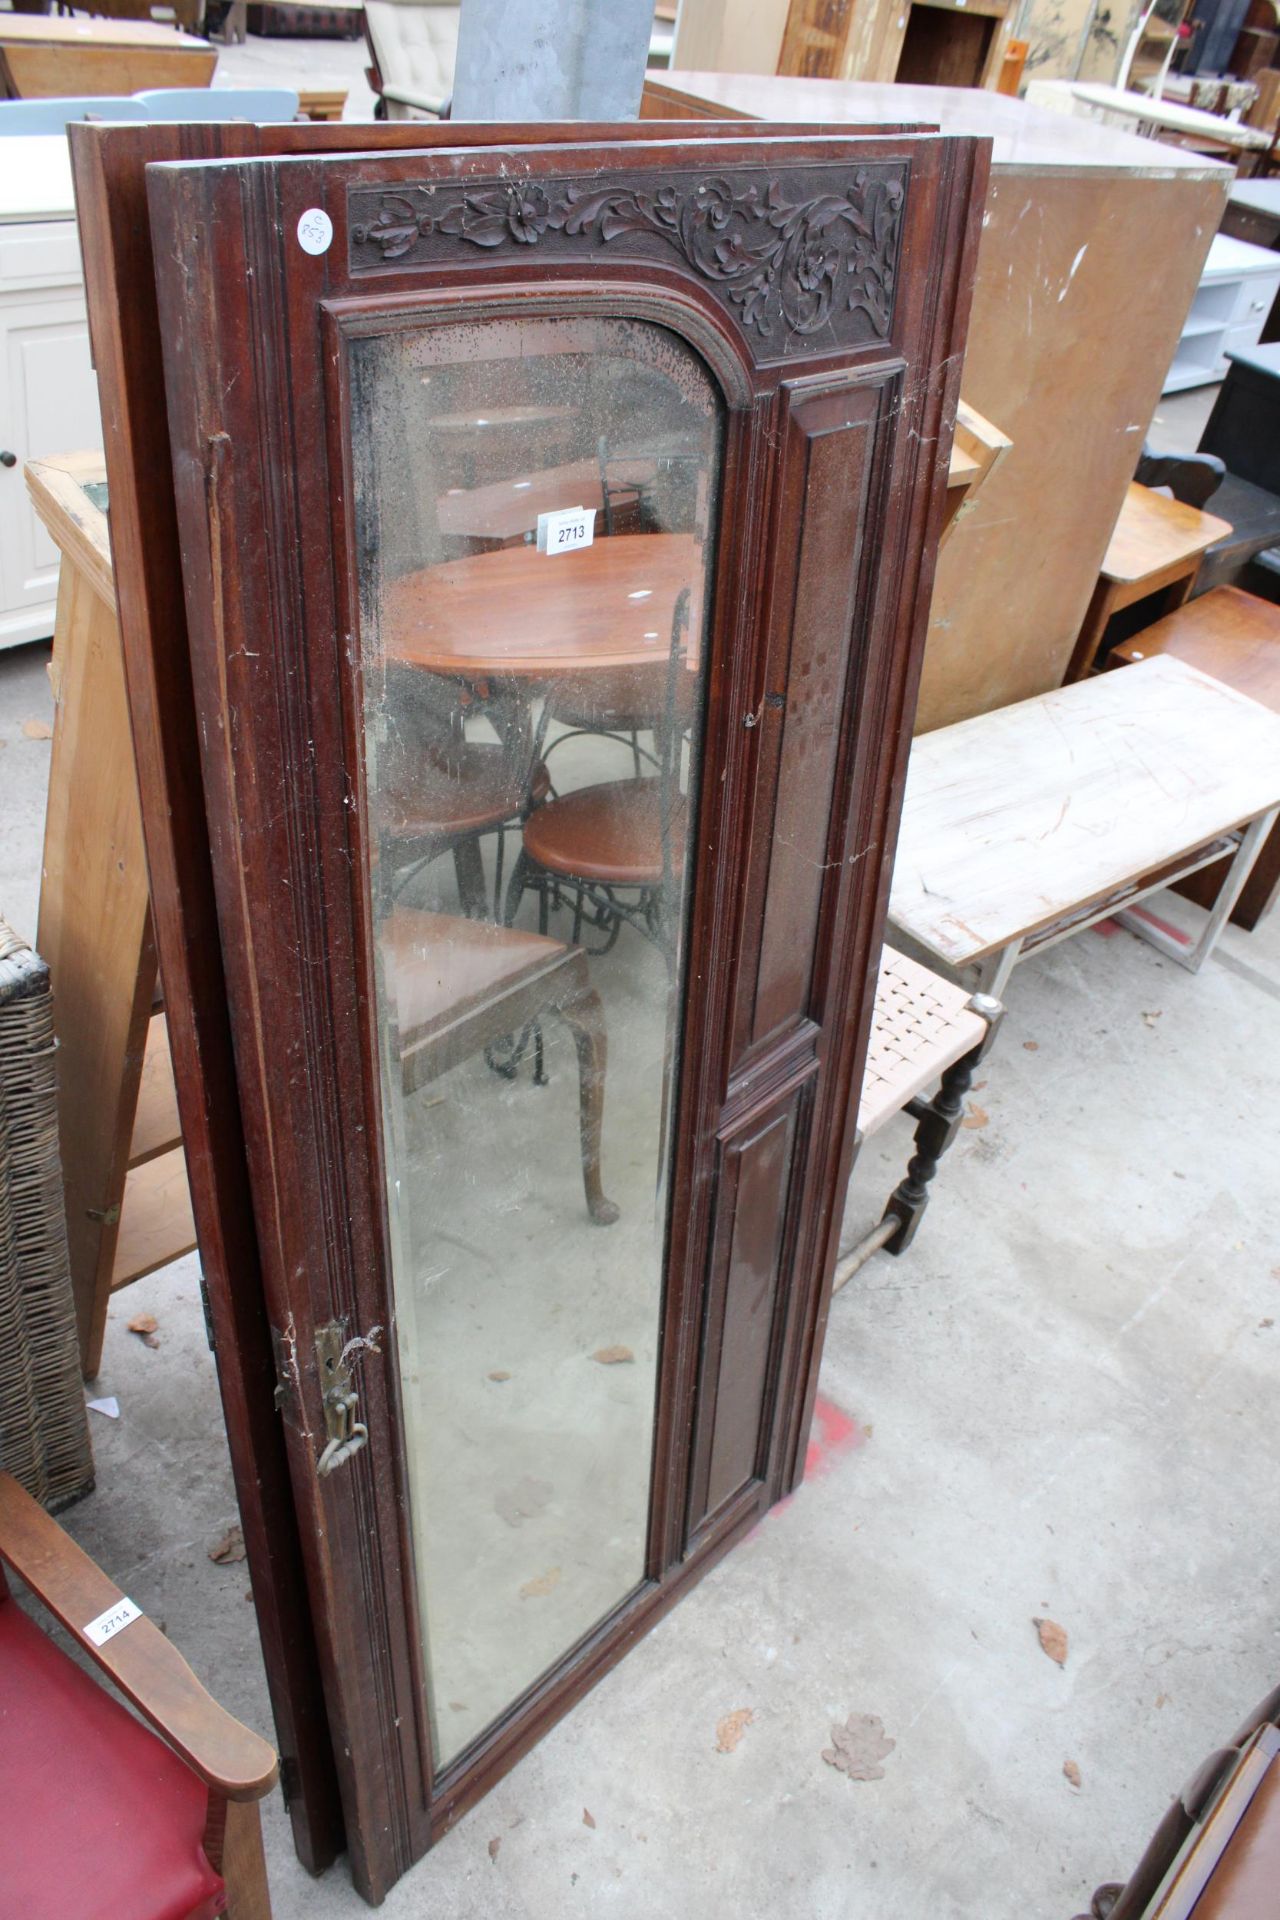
{"points": [[208, 1315], [346, 1434]]}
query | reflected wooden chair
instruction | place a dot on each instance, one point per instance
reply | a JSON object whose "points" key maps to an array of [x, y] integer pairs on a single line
{"points": [[460, 986], [614, 851], [100, 1816], [1216, 1853], [923, 1029]]}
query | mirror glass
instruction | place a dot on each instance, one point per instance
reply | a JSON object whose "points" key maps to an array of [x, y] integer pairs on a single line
{"points": [[535, 513]]}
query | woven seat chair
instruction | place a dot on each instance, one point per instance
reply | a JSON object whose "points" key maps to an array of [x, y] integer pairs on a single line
{"points": [[924, 1029]]}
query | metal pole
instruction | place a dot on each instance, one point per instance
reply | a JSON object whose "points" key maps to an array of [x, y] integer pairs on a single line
{"points": [[551, 59]]}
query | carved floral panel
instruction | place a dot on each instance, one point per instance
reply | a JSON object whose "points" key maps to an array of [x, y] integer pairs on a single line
{"points": [[813, 253]]}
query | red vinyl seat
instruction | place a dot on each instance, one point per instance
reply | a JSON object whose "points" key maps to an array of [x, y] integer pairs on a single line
{"points": [[99, 1820]]}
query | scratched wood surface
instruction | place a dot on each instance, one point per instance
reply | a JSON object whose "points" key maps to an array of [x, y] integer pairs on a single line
{"points": [[1017, 817]]}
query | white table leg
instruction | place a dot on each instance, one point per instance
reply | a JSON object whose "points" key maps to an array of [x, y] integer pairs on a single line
{"points": [[1193, 954], [993, 971]]}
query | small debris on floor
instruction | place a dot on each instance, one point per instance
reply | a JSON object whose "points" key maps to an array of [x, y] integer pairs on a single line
{"points": [[1149, 1019], [1031, 1046], [976, 1117], [730, 1730], [588, 1819], [613, 1356], [517, 1504], [858, 1747], [494, 1844], [499, 1373], [1053, 1639], [541, 1585], [144, 1325], [37, 729], [110, 1406], [1072, 1773], [229, 1549]]}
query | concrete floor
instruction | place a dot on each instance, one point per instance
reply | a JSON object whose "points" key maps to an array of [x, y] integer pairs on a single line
{"points": [[1060, 1403]]}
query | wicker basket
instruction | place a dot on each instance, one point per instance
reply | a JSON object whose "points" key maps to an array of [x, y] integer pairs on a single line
{"points": [[44, 1429]]}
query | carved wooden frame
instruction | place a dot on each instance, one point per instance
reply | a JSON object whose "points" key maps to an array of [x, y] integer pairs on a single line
{"points": [[833, 486]]}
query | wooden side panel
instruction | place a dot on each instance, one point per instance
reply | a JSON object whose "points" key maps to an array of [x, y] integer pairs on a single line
{"points": [[1070, 369], [94, 931], [826, 478], [754, 1177]]}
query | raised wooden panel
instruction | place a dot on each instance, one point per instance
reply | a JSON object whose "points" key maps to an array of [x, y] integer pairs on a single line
{"points": [[828, 462], [742, 1301]]}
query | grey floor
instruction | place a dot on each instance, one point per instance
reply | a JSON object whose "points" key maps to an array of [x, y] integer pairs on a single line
{"points": [[1059, 1403]]}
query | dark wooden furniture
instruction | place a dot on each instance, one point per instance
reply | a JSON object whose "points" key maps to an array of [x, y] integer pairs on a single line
{"points": [[290, 1567], [1243, 431], [834, 378], [1152, 558], [97, 1814], [1235, 637], [1216, 1852], [109, 167], [494, 981]]}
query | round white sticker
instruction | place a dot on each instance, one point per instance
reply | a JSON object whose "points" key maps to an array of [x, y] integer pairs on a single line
{"points": [[315, 231]]}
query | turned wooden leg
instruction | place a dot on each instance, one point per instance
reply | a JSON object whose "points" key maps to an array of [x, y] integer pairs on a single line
{"points": [[584, 1016], [233, 1842], [939, 1122]]}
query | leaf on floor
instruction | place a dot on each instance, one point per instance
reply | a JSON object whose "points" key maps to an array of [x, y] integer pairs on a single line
{"points": [[1053, 1639], [588, 1819], [1072, 1773], [229, 1549], [494, 1844], [541, 1585], [1031, 1046], [144, 1325], [730, 1730], [976, 1117], [499, 1373], [37, 729], [613, 1356], [517, 1504], [858, 1747]]}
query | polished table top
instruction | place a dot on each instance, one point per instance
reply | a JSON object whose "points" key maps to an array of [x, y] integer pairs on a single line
{"points": [[1154, 532], [504, 509], [520, 614]]}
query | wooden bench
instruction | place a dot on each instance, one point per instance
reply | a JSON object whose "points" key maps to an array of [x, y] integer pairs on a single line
{"points": [[1023, 826]]}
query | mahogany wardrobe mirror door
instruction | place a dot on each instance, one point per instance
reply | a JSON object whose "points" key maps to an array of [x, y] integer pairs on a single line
{"points": [[557, 525]]}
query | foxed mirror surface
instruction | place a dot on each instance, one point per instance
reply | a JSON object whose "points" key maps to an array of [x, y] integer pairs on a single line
{"points": [[536, 506]]}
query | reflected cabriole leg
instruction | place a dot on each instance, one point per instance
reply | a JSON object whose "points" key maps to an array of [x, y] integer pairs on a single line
{"points": [[583, 1014], [939, 1122]]}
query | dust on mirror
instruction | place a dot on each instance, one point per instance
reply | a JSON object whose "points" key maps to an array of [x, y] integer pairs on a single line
{"points": [[532, 726]]}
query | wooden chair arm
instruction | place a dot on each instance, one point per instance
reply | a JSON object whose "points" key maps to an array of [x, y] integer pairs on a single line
{"points": [[144, 1665]]}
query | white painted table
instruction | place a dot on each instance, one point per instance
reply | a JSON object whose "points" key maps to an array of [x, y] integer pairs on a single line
{"points": [[1143, 112], [1025, 825]]}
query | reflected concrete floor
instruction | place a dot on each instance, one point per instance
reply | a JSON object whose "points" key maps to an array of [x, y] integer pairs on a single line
{"points": [[1060, 1402]]}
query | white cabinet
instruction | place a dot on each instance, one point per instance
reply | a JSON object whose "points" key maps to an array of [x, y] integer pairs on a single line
{"points": [[48, 392], [1232, 302]]}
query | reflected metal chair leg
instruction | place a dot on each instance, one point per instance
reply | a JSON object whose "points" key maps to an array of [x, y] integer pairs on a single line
{"points": [[584, 1017]]}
